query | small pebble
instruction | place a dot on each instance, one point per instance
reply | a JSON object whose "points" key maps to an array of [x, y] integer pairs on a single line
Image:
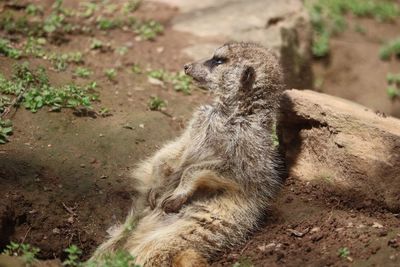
{"points": [[377, 225], [315, 229]]}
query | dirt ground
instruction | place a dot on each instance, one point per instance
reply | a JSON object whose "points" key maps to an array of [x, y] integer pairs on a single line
{"points": [[65, 179]]}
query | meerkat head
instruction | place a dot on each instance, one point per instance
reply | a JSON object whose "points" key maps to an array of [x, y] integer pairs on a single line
{"points": [[239, 70]]}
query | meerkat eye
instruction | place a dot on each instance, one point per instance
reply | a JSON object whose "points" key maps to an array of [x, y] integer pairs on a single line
{"points": [[218, 61], [214, 62]]}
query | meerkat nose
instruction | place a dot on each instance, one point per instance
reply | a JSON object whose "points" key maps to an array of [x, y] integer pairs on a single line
{"points": [[187, 68]]}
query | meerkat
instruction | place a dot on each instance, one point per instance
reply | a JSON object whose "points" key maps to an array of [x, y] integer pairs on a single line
{"points": [[209, 189]]}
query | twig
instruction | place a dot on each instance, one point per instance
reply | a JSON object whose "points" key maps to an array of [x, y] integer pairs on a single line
{"points": [[26, 234], [165, 113], [13, 103], [70, 210], [70, 239], [331, 213], [79, 238], [245, 247]]}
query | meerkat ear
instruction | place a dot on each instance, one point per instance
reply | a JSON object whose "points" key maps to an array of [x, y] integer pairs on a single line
{"points": [[247, 78]]}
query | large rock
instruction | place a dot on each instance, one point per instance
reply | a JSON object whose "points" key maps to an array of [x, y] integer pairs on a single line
{"points": [[282, 25], [335, 141]]}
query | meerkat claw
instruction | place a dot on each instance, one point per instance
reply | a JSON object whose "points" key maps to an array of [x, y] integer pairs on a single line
{"points": [[152, 196], [173, 203]]}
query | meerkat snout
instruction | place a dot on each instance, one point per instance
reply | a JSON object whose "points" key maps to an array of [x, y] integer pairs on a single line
{"points": [[197, 72], [187, 68]]}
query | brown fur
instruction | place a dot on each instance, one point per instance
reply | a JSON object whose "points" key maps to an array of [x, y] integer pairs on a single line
{"points": [[189, 258], [206, 191]]}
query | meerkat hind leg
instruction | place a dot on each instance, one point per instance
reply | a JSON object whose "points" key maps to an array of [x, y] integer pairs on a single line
{"points": [[202, 179]]}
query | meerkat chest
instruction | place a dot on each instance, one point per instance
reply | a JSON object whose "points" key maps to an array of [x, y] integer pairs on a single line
{"points": [[205, 135], [219, 134]]}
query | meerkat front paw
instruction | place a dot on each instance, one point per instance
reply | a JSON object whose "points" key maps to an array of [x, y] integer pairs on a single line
{"points": [[174, 202]]}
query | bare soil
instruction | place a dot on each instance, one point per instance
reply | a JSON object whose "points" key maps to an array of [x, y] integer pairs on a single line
{"points": [[65, 179], [309, 224]]}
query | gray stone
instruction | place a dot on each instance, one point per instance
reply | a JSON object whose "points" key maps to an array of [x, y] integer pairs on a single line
{"points": [[282, 25], [333, 141]]}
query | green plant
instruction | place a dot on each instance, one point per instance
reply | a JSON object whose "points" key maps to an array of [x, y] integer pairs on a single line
{"points": [[74, 57], [148, 30], [96, 44], [25, 251], [136, 69], [67, 96], [132, 5], [159, 74], [343, 252], [34, 47], [156, 103], [111, 74], [378, 9], [12, 24], [82, 72], [111, 8], [7, 50], [73, 253], [393, 89], [182, 83], [53, 22], [89, 9], [35, 91], [56, 21], [5, 130], [360, 29], [104, 112], [320, 46], [107, 24], [60, 61], [4, 103], [393, 78], [327, 17], [117, 259], [325, 23], [318, 83], [274, 136], [391, 48], [33, 9], [121, 50], [56, 18], [393, 92]]}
